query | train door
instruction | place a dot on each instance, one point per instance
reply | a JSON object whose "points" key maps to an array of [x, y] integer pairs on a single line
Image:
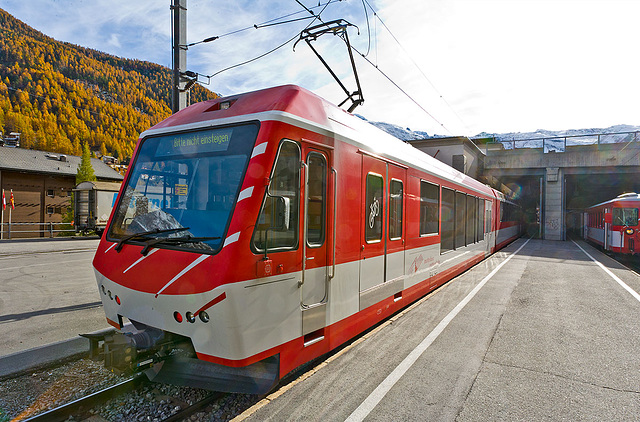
{"points": [[373, 233], [394, 253], [487, 225], [494, 218], [315, 239]]}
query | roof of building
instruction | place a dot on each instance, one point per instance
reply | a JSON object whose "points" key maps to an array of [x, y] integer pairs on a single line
{"points": [[32, 161], [445, 141], [102, 186]]}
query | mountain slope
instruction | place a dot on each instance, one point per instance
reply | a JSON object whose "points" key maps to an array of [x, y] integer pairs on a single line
{"points": [[59, 95]]}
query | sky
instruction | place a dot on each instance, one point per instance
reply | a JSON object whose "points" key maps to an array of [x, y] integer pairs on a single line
{"points": [[448, 67]]}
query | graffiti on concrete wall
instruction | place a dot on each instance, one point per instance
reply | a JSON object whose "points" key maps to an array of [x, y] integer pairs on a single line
{"points": [[552, 224]]}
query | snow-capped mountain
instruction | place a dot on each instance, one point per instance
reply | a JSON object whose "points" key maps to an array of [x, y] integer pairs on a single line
{"points": [[407, 134], [404, 134], [541, 133]]}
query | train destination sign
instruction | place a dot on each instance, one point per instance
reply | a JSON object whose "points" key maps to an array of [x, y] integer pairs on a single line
{"points": [[214, 140]]}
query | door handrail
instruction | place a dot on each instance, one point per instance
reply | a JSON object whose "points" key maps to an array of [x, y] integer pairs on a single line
{"points": [[335, 207], [304, 221]]}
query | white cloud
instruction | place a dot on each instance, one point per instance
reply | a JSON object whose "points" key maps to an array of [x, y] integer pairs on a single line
{"points": [[114, 41], [499, 65]]}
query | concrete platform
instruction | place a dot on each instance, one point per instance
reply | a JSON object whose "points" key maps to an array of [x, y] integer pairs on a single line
{"points": [[48, 293], [549, 336]]}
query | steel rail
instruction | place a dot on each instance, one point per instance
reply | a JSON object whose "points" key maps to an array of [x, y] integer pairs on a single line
{"points": [[194, 407], [83, 404]]}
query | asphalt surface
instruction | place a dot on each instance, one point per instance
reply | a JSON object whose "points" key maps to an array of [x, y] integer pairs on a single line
{"points": [[550, 336], [48, 293]]}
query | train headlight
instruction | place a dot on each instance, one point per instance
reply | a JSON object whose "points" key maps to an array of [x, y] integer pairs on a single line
{"points": [[190, 317], [177, 316], [629, 231], [204, 317]]}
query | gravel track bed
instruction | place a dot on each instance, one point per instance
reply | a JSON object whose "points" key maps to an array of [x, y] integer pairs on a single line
{"points": [[155, 402], [28, 395]]}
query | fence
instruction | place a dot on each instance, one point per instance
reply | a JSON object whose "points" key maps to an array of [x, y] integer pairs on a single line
{"points": [[8, 230], [560, 143]]}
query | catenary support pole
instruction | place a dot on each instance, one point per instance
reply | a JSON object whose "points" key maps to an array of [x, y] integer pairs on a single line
{"points": [[179, 47]]}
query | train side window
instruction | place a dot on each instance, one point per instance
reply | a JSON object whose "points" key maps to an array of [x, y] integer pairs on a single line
{"points": [[429, 208], [461, 200], [447, 222], [471, 219], [395, 209], [316, 199], [375, 204], [277, 226]]}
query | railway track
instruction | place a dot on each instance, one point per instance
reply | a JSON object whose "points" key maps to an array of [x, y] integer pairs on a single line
{"points": [[84, 404], [82, 389], [81, 409], [631, 262]]}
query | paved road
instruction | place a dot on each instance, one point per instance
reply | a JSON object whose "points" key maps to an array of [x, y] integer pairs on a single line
{"points": [[47, 293], [550, 336]]}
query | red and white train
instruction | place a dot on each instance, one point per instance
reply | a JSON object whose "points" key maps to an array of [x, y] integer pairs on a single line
{"points": [[614, 225], [257, 232]]}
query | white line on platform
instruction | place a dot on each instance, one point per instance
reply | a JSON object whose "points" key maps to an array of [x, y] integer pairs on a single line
{"points": [[378, 394], [612, 275]]}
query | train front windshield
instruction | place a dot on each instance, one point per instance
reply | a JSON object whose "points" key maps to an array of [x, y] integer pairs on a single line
{"points": [[625, 217], [183, 188]]}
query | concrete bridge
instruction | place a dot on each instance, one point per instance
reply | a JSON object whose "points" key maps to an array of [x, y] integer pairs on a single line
{"points": [[553, 179]]}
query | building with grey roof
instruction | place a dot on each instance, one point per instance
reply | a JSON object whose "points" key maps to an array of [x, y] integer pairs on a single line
{"points": [[41, 183], [41, 162]]}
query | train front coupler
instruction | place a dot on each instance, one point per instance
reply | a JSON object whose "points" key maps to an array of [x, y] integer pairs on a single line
{"points": [[136, 349]]}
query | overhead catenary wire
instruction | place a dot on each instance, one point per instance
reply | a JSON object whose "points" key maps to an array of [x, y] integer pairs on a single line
{"points": [[270, 22], [366, 17], [253, 59], [314, 17], [377, 16], [317, 16], [364, 56], [402, 91]]}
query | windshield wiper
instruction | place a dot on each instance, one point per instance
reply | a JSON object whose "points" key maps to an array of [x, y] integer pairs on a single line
{"points": [[174, 240], [147, 233]]}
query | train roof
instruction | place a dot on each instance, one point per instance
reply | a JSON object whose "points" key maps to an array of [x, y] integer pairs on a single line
{"points": [[625, 197], [300, 107]]}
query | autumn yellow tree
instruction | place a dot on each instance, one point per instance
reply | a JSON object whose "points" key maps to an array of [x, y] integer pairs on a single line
{"points": [[61, 96]]}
